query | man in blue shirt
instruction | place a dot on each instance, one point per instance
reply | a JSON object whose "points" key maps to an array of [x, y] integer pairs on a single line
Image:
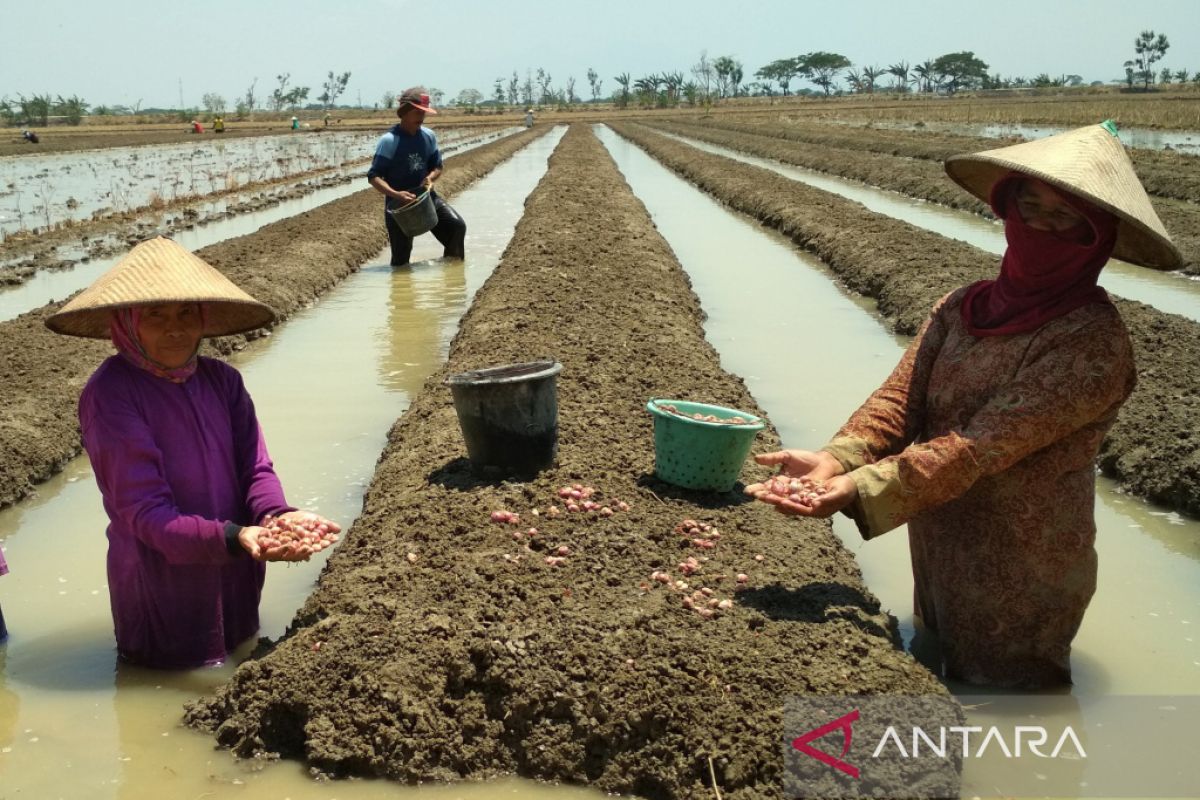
{"points": [[407, 161]]}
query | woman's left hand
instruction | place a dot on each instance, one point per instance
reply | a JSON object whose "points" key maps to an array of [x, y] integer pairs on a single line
{"points": [[310, 519], [315, 534], [840, 491]]}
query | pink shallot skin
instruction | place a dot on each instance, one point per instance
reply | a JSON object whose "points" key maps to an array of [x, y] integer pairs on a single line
{"points": [[293, 536]]}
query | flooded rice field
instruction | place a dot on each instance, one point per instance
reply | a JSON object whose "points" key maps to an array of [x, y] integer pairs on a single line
{"points": [[42, 191], [427, 646], [201, 224]]}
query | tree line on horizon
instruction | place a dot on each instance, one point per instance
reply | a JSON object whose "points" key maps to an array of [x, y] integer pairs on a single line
{"points": [[708, 81]]}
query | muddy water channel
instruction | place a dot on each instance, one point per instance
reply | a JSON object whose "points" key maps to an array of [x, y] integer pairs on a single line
{"points": [[48, 285], [1172, 292], [759, 292], [75, 724], [41, 191]]}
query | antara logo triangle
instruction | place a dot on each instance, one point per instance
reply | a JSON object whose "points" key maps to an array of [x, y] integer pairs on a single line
{"points": [[843, 723]]}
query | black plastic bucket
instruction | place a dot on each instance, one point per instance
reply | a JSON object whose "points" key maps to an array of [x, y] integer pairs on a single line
{"points": [[509, 415], [419, 216]]}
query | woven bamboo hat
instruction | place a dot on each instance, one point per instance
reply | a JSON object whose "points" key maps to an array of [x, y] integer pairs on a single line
{"points": [[160, 271], [1086, 162]]}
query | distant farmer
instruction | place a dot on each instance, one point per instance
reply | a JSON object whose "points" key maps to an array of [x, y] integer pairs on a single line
{"points": [[326, 118], [984, 438], [218, 124], [30, 137], [193, 501], [529, 118], [197, 127], [407, 162], [295, 124]]}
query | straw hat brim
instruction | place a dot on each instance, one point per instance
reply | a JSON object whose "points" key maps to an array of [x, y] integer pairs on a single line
{"points": [[222, 317], [155, 272], [1089, 163]]}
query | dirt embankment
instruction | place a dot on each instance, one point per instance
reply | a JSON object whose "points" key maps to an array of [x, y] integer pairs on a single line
{"points": [[285, 264], [914, 177], [440, 646], [1163, 172], [1153, 449]]}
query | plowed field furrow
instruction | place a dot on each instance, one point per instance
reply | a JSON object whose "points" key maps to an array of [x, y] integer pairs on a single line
{"points": [[1166, 174], [286, 265], [472, 656], [925, 180], [1153, 449]]}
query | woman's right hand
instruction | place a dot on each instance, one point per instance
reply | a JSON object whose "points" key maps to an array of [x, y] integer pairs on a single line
{"points": [[405, 197], [817, 466]]}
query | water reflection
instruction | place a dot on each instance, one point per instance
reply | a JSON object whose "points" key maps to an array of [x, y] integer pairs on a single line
{"points": [[10, 706], [423, 295]]}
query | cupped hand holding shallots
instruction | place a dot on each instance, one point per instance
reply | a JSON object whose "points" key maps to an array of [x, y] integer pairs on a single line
{"points": [[809, 484], [815, 465], [292, 536]]}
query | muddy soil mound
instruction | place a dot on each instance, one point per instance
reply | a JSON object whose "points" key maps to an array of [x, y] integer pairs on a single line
{"points": [[925, 180], [286, 264], [1154, 448], [1163, 172], [440, 645]]}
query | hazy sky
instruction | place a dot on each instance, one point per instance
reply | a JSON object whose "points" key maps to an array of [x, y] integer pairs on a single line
{"points": [[123, 51]]}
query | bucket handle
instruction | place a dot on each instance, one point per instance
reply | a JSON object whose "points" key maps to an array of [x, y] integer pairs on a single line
{"points": [[420, 199]]}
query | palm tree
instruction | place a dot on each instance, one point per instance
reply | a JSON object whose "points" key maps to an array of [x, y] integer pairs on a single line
{"points": [[900, 72], [855, 80], [623, 81], [925, 74], [647, 89], [673, 82], [870, 75]]}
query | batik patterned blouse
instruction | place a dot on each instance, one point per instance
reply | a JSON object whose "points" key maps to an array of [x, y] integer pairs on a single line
{"points": [[986, 448]]}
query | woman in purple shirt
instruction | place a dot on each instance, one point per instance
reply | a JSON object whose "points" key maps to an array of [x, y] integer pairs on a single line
{"points": [[179, 457]]}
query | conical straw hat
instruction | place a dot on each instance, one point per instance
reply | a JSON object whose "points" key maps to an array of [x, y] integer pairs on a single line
{"points": [[1087, 162], [160, 271]]}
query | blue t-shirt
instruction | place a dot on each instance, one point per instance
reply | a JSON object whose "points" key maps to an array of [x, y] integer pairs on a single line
{"points": [[403, 160]]}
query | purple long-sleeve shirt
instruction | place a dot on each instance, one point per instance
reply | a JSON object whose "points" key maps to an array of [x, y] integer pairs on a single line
{"points": [[175, 462]]}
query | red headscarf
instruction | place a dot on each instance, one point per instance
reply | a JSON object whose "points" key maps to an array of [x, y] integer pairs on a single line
{"points": [[1043, 275], [122, 328]]}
